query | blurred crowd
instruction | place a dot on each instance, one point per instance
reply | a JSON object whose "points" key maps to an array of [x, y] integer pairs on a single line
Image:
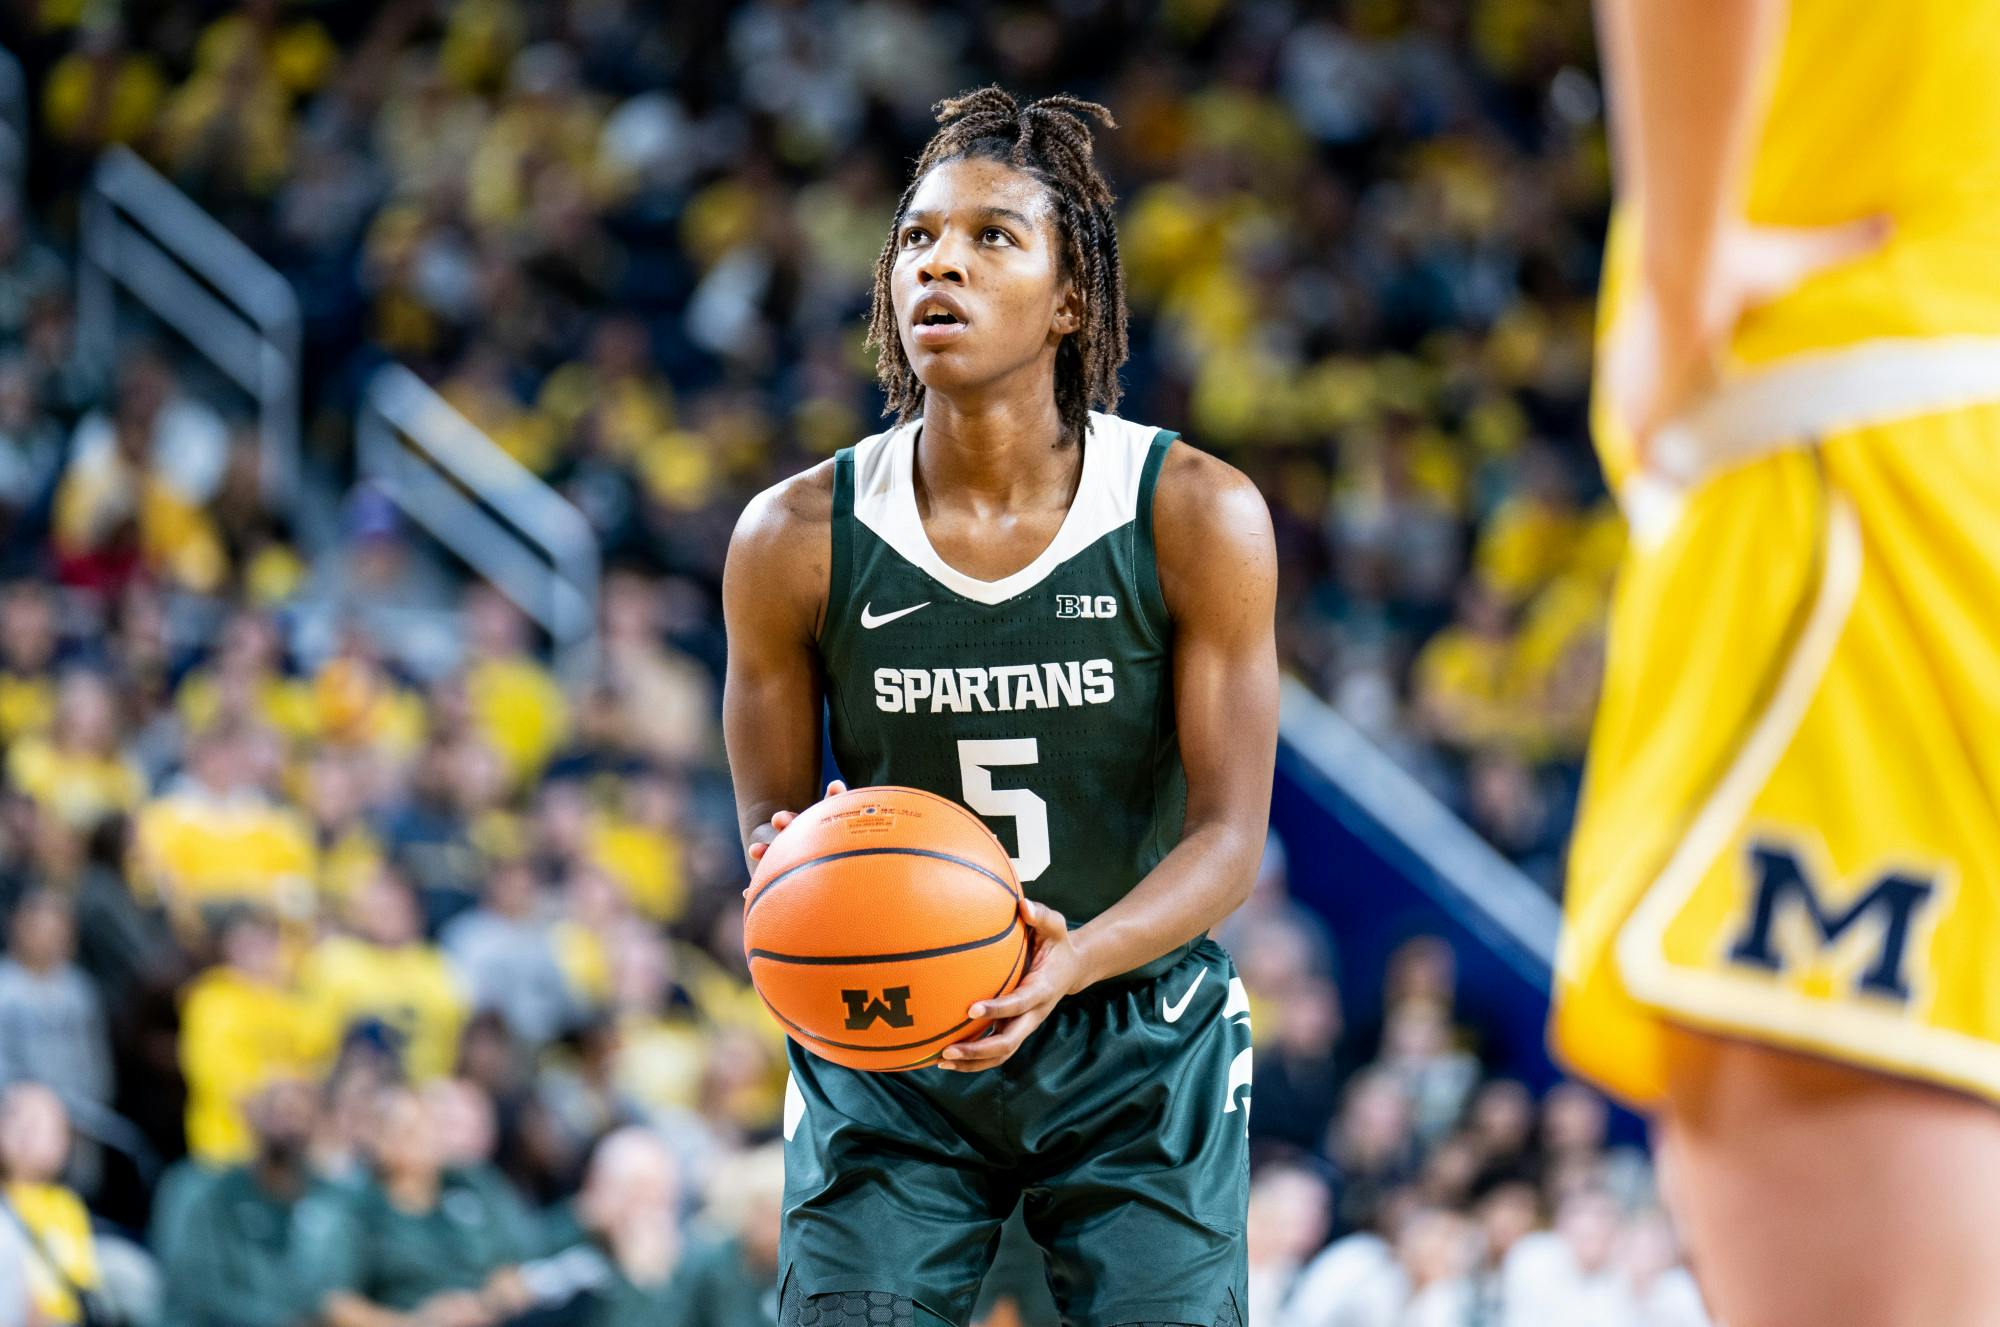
{"points": [[347, 929]]}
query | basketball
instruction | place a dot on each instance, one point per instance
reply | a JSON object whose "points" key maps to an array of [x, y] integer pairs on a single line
{"points": [[876, 919]]}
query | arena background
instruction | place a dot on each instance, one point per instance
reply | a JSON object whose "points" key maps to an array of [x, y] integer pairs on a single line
{"points": [[378, 386]]}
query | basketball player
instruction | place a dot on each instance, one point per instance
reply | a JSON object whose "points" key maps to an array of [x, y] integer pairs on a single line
{"points": [[929, 590], [1784, 898]]}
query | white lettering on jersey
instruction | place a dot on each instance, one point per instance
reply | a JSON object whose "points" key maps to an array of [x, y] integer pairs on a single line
{"points": [[1065, 683], [1097, 681], [1009, 686]]}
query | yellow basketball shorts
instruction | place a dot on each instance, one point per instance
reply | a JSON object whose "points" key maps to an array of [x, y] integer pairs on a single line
{"points": [[1790, 828]]}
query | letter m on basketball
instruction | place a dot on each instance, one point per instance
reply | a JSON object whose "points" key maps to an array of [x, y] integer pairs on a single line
{"points": [[863, 1009], [1782, 883]]}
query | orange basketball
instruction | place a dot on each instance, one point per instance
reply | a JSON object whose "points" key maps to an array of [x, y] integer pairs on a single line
{"points": [[874, 922]]}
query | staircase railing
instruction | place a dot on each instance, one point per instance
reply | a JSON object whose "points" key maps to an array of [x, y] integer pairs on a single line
{"points": [[504, 522], [142, 235]]}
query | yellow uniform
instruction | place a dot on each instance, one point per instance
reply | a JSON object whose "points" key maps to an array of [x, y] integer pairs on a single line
{"points": [[1790, 831]]}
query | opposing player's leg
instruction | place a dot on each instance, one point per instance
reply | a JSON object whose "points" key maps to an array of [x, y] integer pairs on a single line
{"points": [[1135, 1112], [1817, 1195]]}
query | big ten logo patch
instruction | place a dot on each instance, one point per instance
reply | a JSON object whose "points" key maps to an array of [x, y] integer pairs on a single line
{"points": [[1832, 936], [1086, 605], [864, 1008]]}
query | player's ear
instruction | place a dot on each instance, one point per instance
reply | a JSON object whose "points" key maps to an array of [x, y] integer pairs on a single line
{"points": [[1069, 311]]}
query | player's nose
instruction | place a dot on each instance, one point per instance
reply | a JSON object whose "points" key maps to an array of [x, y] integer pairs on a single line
{"points": [[943, 261]]}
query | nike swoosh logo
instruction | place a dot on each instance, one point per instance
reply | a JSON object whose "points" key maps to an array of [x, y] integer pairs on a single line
{"points": [[1174, 1011], [869, 621]]}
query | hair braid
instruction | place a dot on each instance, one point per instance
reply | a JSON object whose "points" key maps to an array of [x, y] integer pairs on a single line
{"points": [[1050, 139]]}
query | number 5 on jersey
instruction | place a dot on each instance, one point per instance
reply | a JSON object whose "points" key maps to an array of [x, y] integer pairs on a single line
{"points": [[1029, 812]]}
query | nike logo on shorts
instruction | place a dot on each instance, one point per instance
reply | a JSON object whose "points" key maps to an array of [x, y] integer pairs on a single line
{"points": [[869, 621], [1172, 1012]]}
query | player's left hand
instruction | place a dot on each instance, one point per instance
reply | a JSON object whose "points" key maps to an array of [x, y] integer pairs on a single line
{"points": [[1055, 970], [1665, 349]]}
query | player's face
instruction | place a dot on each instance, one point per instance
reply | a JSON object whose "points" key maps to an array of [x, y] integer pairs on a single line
{"points": [[978, 283]]}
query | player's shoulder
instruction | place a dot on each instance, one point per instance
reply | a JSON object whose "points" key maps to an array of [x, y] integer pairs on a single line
{"points": [[1201, 497], [795, 507]]}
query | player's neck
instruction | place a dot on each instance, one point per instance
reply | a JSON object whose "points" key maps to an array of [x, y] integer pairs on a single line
{"points": [[1005, 452]]}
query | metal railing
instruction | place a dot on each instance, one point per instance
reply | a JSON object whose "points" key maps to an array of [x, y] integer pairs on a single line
{"points": [[489, 509], [143, 235]]}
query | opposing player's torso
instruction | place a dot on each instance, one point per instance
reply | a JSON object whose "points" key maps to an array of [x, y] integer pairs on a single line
{"points": [[1042, 700]]}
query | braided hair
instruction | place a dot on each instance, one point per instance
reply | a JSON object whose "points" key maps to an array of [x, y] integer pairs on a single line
{"points": [[1050, 140]]}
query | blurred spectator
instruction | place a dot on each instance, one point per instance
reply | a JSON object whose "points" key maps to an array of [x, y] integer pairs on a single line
{"points": [[236, 1248], [243, 1026], [61, 1256], [504, 952], [667, 700], [1438, 1248], [1290, 1215], [1435, 1076], [215, 836], [1354, 1282], [52, 1025], [1299, 1073], [178, 440], [1373, 1146], [28, 644], [79, 772], [413, 1238], [384, 980], [730, 1274], [516, 704], [28, 270], [623, 1242]]}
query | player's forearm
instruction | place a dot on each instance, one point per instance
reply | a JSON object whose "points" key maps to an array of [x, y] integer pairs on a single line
{"points": [[1204, 879], [1688, 81]]}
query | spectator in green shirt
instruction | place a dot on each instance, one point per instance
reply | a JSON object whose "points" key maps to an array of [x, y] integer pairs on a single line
{"points": [[614, 1253], [729, 1278], [416, 1244], [233, 1260]]}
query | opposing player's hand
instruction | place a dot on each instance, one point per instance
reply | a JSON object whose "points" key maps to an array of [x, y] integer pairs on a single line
{"points": [[1055, 970], [1667, 346], [760, 838]]}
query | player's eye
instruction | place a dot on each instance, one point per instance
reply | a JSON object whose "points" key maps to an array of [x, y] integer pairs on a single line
{"points": [[995, 235], [913, 236]]}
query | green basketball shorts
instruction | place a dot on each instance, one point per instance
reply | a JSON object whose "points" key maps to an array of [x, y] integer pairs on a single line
{"points": [[1121, 1126]]}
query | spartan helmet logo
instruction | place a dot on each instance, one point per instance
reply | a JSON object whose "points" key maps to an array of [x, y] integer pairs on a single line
{"points": [[863, 1008]]}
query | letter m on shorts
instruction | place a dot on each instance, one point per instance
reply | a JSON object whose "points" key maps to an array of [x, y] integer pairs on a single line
{"points": [[863, 1009], [1893, 900]]}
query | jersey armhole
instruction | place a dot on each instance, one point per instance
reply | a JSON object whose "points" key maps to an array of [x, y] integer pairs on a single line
{"points": [[840, 572], [1156, 616]]}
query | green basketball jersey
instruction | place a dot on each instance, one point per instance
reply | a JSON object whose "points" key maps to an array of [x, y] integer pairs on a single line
{"points": [[1044, 700]]}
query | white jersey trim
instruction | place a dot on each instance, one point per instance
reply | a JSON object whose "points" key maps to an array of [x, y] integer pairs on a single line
{"points": [[885, 500]]}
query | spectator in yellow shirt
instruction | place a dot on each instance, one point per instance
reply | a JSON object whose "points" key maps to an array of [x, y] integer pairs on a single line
{"points": [[27, 659], [243, 1027], [516, 705], [78, 771], [62, 1252], [216, 837], [387, 979]]}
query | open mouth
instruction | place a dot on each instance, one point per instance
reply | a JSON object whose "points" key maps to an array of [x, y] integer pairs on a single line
{"points": [[937, 320]]}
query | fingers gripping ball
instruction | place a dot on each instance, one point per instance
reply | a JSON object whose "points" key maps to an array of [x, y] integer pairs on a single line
{"points": [[876, 920]]}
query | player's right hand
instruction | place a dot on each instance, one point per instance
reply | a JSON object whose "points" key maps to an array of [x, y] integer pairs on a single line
{"points": [[761, 837]]}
